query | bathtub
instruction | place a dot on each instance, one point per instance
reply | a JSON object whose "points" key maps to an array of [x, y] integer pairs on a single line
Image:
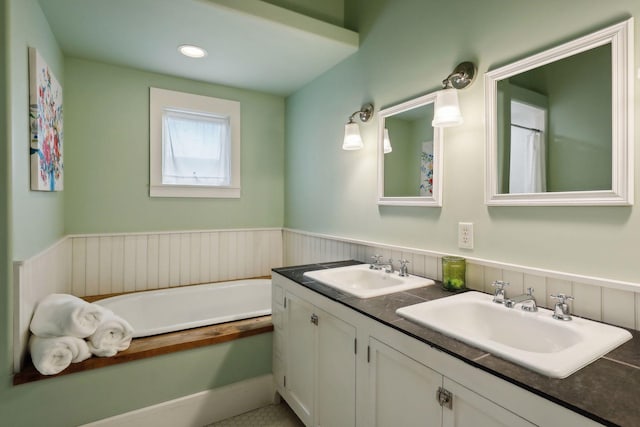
{"points": [[167, 310]]}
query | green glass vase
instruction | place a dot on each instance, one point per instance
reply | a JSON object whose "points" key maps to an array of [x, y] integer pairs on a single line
{"points": [[453, 273]]}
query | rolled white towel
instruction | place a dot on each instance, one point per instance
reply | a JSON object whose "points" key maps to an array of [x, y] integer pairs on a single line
{"points": [[59, 315], [113, 335], [52, 355]]}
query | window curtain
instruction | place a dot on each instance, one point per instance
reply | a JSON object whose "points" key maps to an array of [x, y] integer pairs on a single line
{"points": [[196, 149]]}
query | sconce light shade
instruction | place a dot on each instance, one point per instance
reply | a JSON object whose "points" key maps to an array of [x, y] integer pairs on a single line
{"points": [[352, 139], [447, 111], [387, 142]]}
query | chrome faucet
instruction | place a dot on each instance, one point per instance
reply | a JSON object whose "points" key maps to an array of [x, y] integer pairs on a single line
{"points": [[404, 270], [561, 310], [388, 268], [498, 295], [527, 300], [375, 265], [378, 265]]}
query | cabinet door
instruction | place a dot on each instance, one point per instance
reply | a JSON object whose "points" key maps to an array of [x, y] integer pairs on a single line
{"points": [[300, 357], [472, 410], [403, 391], [336, 372]]}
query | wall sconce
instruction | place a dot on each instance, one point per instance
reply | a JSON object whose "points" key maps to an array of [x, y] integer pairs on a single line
{"points": [[387, 142], [352, 139], [447, 111]]}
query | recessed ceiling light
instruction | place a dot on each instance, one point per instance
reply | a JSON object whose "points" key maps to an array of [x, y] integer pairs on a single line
{"points": [[192, 51]]}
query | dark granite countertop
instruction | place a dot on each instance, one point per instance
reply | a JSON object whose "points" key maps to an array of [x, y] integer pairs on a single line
{"points": [[607, 390]]}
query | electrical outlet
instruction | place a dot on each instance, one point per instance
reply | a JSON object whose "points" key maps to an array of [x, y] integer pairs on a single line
{"points": [[465, 235]]}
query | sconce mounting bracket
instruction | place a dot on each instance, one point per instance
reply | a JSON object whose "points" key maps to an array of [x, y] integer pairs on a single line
{"points": [[462, 76], [365, 113]]}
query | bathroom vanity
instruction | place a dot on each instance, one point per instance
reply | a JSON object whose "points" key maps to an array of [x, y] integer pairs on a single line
{"points": [[340, 360]]}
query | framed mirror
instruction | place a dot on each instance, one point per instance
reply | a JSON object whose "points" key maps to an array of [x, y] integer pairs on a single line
{"points": [[560, 124], [409, 154]]}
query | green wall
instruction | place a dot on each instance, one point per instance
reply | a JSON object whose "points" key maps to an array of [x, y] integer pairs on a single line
{"points": [[6, 293], [37, 216], [89, 396], [107, 156], [393, 65]]}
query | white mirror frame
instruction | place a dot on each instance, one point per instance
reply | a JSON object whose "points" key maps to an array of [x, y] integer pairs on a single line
{"points": [[436, 198], [621, 38]]}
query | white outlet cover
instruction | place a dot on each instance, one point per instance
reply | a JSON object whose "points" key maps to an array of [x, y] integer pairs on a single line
{"points": [[465, 235]]}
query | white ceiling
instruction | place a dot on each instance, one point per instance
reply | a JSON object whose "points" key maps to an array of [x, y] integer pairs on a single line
{"points": [[250, 44]]}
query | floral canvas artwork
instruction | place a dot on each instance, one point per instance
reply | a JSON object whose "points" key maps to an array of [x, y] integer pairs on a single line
{"points": [[45, 115], [426, 169]]}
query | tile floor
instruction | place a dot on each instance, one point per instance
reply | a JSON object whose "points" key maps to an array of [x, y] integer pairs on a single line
{"points": [[269, 416]]}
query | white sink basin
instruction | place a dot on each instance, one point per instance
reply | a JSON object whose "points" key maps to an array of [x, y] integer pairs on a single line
{"points": [[362, 282], [536, 341]]}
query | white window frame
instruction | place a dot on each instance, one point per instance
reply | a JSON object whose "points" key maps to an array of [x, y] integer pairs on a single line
{"points": [[161, 99]]}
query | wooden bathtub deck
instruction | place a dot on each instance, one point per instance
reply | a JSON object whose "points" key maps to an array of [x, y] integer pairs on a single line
{"points": [[160, 344]]}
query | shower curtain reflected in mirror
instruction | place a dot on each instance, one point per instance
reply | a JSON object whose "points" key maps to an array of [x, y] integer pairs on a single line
{"points": [[527, 172]]}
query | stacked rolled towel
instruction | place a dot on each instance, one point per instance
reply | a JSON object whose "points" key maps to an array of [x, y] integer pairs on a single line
{"points": [[52, 355], [112, 335], [59, 315], [61, 322]]}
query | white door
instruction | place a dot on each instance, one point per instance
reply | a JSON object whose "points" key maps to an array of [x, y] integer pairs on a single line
{"points": [[300, 357], [403, 391], [472, 410], [336, 372]]}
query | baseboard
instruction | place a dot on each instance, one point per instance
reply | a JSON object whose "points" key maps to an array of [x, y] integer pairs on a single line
{"points": [[199, 409]]}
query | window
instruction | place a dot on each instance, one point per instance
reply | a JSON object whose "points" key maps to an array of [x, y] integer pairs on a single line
{"points": [[194, 145]]}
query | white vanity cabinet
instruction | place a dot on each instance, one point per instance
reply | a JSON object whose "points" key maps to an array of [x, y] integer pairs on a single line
{"points": [[316, 371], [337, 367], [404, 392], [471, 409]]}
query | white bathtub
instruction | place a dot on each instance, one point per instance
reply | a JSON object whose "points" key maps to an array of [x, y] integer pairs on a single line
{"points": [[168, 310]]}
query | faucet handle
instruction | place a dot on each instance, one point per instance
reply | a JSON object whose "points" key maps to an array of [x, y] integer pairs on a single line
{"points": [[498, 296], [562, 298], [404, 271], [499, 285], [561, 310], [375, 262], [389, 267]]}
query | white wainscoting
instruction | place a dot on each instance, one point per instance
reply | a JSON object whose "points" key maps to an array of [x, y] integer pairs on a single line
{"points": [[104, 264], [111, 263], [610, 301], [47, 273]]}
